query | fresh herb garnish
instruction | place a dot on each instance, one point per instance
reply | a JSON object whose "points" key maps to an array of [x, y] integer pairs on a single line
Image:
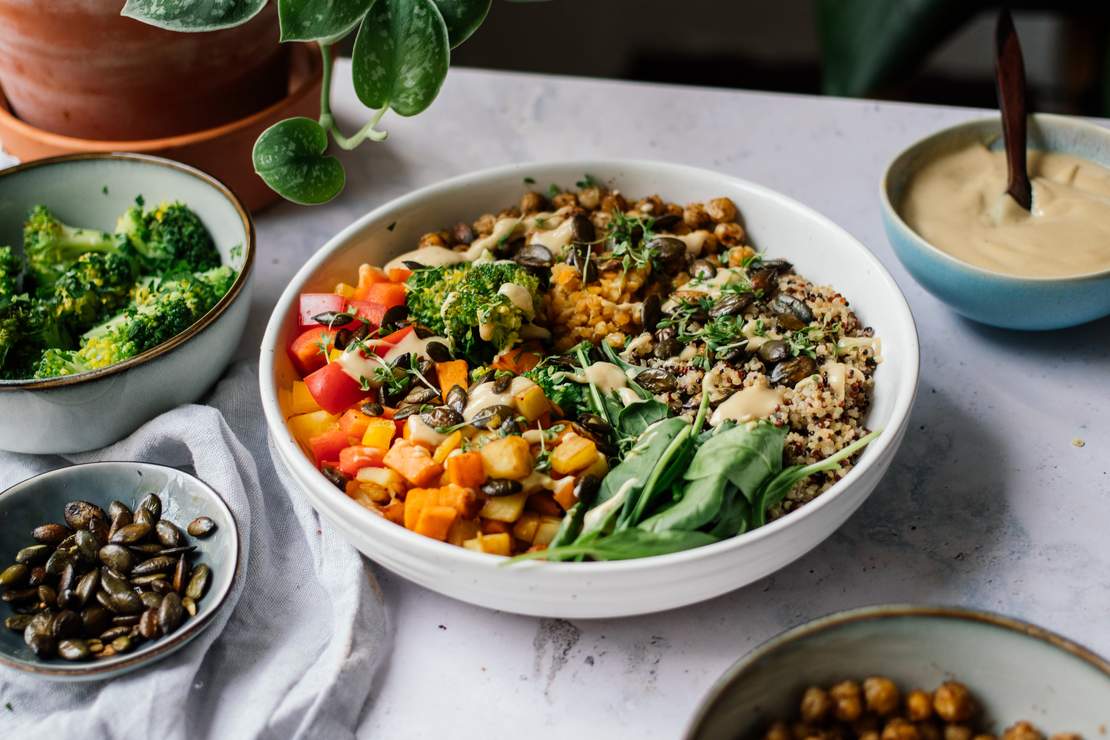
{"points": [[553, 190], [628, 239], [587, 181], [529, 181]]}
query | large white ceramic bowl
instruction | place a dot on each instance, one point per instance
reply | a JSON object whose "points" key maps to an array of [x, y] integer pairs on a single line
{"points": [[820, 250], [89, 410]]}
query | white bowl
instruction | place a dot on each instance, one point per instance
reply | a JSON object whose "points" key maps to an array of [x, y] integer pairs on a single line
{"points": [[820, 250]]}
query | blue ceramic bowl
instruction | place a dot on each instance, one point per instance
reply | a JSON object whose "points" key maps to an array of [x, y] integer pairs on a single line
{"points": [[980, 294], [41, 499]]}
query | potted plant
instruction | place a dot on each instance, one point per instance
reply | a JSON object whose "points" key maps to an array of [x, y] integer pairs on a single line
{"points": [[400, 60]]}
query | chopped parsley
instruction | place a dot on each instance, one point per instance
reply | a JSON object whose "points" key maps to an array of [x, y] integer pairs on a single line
{"points": [[587, 181], [628, 239]]}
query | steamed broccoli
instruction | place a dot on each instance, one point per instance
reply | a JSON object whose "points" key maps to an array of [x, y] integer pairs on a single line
{"points": [[465, 303], [568, 395], [93, 288], [51, 246], [26, 327], [170, 239], [161, 310], [11, 267]]}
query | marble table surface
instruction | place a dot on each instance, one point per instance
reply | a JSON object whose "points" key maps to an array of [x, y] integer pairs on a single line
{"points": [[999, 498]]}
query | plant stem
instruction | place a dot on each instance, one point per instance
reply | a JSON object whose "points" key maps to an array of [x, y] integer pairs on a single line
{"points": [[327, 120]]}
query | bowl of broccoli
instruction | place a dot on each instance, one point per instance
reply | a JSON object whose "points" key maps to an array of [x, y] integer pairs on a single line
{"points": [[124, 291]]}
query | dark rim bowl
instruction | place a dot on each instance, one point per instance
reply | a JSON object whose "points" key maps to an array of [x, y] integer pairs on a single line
{"points": [[204, 322]]}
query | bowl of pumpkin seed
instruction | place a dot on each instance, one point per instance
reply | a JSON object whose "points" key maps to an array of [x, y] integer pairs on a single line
{"points": [[107, 567]]}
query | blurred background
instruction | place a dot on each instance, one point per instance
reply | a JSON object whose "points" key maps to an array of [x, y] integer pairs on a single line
{"points": [[934, 51]]}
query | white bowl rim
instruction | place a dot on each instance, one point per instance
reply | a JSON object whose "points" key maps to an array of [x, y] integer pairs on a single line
{"points": [[878, 612], [162, 647], [214, 313], [304, 472], [1051, 119]]}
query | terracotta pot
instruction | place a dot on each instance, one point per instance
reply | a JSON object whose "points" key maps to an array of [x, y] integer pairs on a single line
{"points": [[79, 68]]}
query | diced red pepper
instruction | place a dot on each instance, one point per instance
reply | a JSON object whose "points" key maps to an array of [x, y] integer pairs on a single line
{"points": [[334, 389], [387, 294], [355, 458], [314, 304], [386, 343], [327, 447], [309, 349], [371, 312]]}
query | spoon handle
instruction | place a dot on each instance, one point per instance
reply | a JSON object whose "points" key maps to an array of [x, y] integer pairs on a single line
{"points": [[1009, 70]]}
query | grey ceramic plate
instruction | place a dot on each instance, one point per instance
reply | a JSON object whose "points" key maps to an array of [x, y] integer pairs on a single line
{"points": [[184, 497], [1016, 670]]}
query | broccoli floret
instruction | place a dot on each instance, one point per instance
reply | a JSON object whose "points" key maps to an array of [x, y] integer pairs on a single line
{"points": [[569, 396], [463, 303], [51, 246], [26, 327], [160, 310], [171, 238], [96, 286], [11, 267]]}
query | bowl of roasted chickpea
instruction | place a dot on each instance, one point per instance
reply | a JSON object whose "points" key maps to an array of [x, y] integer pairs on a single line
{"points": [[906, 672]]}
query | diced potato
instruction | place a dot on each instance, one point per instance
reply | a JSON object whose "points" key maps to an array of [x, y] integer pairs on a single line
{"points": [[531, 403], [574, 453], [504, 508], [546, 531], [374, 492], [385, 478], [447, 446], [300, 400], [492, 526], [494, 544], [599, 469], [461, 531], [379, 433], [307, 426], [413, 462], [525, 527], [509, 457]]}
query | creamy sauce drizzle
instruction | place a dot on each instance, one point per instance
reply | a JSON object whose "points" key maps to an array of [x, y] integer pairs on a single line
{"points": [[427, 256], [554, 239], [837, 375], [959, 204], [694, 241], [609, 378], [520, 297], [754, 402], [358, 366], [420, 432], [483, 396]]}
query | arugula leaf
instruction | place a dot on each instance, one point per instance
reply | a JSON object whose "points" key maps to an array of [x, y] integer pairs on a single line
{"points": [[624, 545]]}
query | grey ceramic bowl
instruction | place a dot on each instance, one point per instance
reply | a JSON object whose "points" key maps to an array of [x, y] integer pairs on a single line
{"points": [[978, 293], [1016, 670], [184, 497], [90, 410]]}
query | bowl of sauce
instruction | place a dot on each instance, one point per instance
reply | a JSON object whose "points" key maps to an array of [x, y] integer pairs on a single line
{"points": [[954, 228]]}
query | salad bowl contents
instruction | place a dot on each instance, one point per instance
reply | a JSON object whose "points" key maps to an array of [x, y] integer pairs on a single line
{"points": [[582, 376], [617, 385], [122, 284]]}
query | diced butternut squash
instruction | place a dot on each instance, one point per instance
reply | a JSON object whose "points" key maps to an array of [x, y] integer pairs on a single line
{"points": [[466, 470], [493, 544], [504, 508], [395, 512], [525, 527], [531, 403], [508, 457], [307, 426], [516, 361], [414, 504], [462, 499], [385, 478], [574, 453], [564, 493], [413, 462], [355, 423], [367, 276], [462, 530], [300, 400], [436, 521], [379, 433], [447, 446], [451, 374], [546, 530]]}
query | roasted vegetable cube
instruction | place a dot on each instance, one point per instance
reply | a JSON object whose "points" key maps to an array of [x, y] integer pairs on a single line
{"points": [[574, 453], [510, 457], [504, 508], [531, 403]]}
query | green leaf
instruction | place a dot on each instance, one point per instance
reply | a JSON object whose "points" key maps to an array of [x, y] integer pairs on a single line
{"points": [[291, 158], [193, 15], [462, 17], [316, 20], [624, 545], [401, 56], [746, 454], [735, 516], [635, 418]]}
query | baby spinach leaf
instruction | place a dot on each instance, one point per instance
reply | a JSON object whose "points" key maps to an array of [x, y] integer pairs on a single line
{"points": [[192, 15], [777, 487], [291, 158], [624, 545], [666, 470], [401, 56], [697, 505], [462, 17], [734, 517], [634, 419], [314, 20]]}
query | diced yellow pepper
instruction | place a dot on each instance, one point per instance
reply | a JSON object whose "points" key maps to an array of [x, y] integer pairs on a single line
{"points": [[447, 446], [300, 400], [504, 508], [347, 291], [531, 403], [385, 478], [509, 457], [313, 424], [574, 453], [494, 544], [379, 433], [546, 530]]}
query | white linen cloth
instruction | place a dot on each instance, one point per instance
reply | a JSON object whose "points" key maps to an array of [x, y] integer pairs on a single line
{"points": [[294, 651]]}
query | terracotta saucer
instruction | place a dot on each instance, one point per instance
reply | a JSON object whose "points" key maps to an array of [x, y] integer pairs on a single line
{"points": [[223, 152]]}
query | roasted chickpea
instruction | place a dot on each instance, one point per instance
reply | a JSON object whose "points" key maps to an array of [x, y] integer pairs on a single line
{"points": [[954, 731], [532, 202], [1066, 736], [590, 197], [730, 234], [564, 199], [900, 729], [816, 704], [483, 226], [929, 731], [1022, 731], [614, 201], [694, 216], [651, 206], [600, 219], [848, 701], [721, 210], [919, 705], [869, 735], [984, 736], [510, 212], [778, 731], [882, 695], [738, 255], [433, 239], [952, 702]]}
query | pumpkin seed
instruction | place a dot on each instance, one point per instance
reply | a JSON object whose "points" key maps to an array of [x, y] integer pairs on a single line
{"points": [[18, 622], [86, 545], [145, 549], [153, 504], [66, 624], [20, 594], [117, 558], [169, 535], [68, 599], [14, 575], [146, 516], [495, 487], [456, 399], [112, 633], [95, 620], [37, 577], [156, 564], [113, 582], [127, 602], [116, 507], [73, 650], [122, 644], [148, 580], [130, 534], [181, 574], [67, 579], [121, 520], [87, 586], [126, 620], [189, 605], [170, 613], [32, 554], [94, 646], [148, 624], [178, 550], [150, 599], [78, 514], [41, 645], [100, 531], [57, 562], [198, 583], [50, 534]]}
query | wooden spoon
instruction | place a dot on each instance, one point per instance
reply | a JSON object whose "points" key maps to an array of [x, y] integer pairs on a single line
{"points": [[1009, 71]]}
